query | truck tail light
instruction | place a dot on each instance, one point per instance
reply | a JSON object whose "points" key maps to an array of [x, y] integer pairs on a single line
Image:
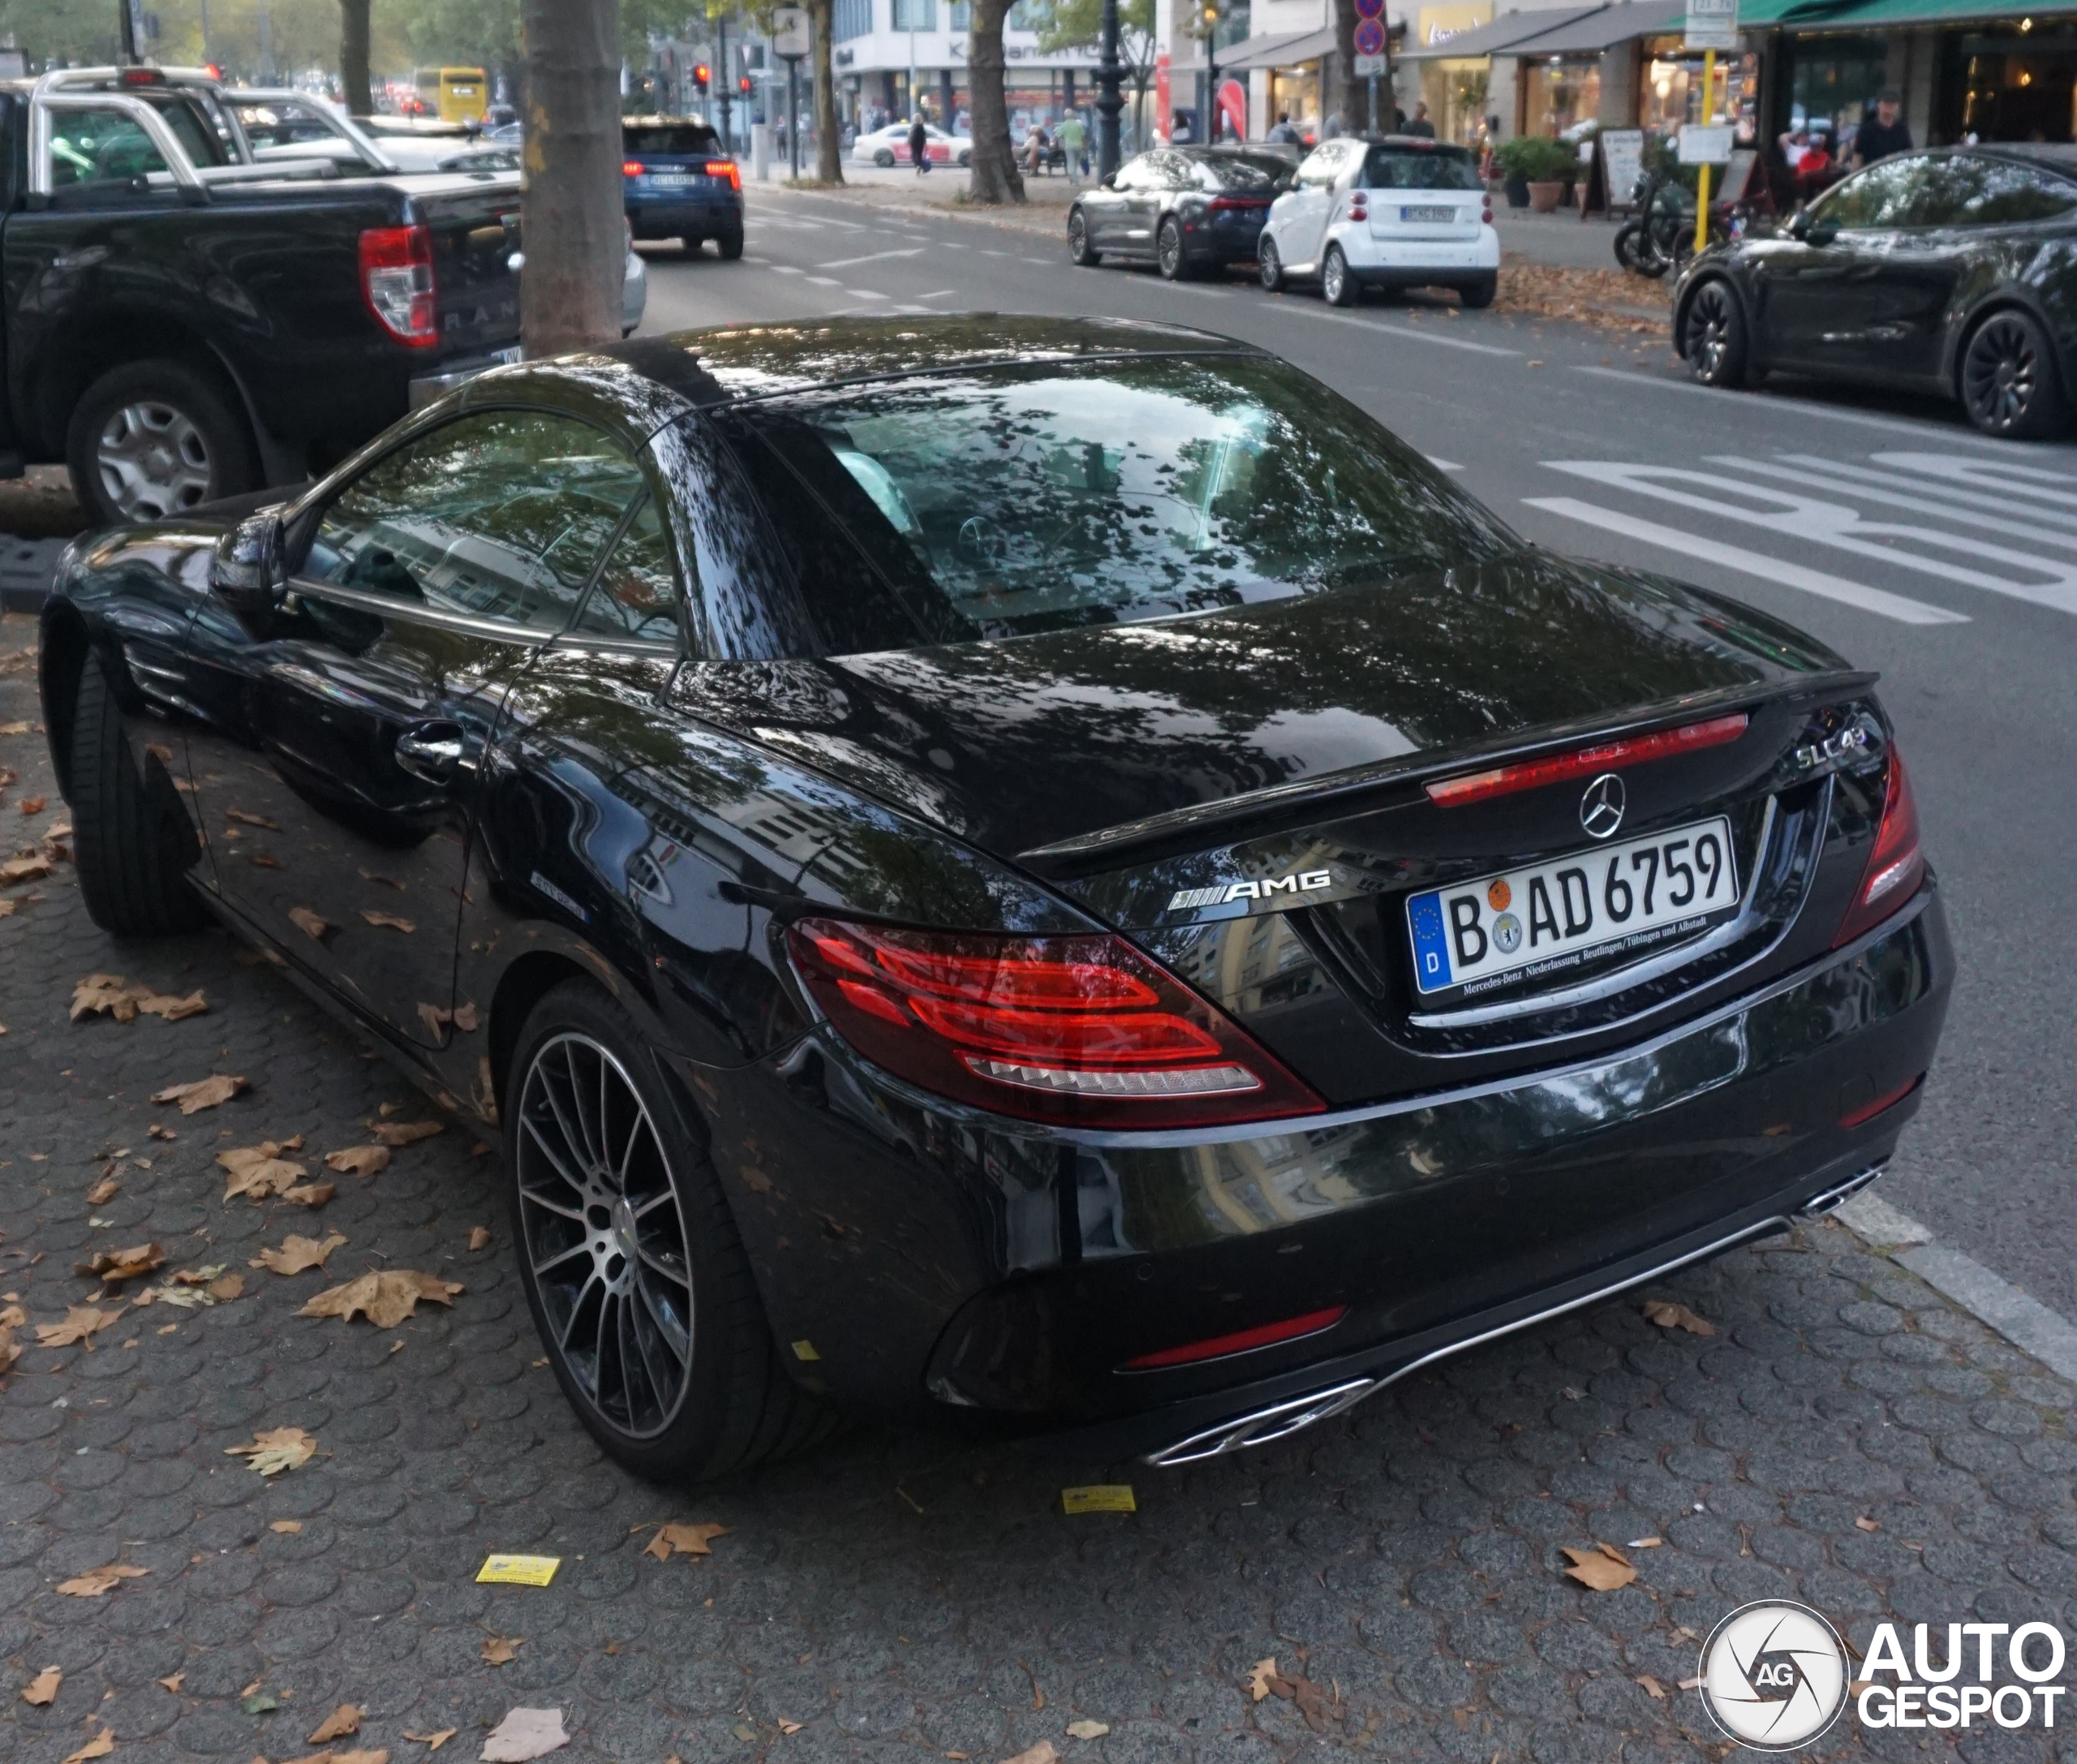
{"points": [[1897, 864], [1081, 1030], [396, 281], [725, 168]]}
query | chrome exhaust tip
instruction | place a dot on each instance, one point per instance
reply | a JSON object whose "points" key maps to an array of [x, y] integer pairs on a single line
{"points": [[1818, 1205], [1260, 1426]]}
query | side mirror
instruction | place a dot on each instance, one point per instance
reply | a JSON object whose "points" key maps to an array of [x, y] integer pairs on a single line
{"points": [[247, 571], [1820, 232], [1111, 183]]}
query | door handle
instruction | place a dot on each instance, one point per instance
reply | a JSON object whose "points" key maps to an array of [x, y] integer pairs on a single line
{"points": [[434, 751]]}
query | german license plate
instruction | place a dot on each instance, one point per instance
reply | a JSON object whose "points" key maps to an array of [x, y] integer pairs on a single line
{"points": [[1549, 917], [674, 180], [1430, 217]]}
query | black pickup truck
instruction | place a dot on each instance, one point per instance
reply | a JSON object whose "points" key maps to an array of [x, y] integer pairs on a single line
{"points": [[182, 321]]}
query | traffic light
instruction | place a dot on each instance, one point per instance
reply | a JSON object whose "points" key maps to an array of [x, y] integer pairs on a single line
{"points": [[700, 76], [743, 85]]}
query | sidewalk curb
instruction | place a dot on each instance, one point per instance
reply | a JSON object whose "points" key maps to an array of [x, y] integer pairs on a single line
{"points": [[2025, 1321]]}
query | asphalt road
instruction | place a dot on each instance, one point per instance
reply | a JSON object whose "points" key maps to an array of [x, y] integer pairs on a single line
{"points": [[1885, 526]]}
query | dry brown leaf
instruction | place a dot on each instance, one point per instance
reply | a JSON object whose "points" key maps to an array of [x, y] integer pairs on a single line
{"points": [[41, 1689], [342, 1721], [312, 1195], [387, 921], [80, 1322], [10, 1349], [33, 805], [204, 1093], [1668, 1315], [356, 1755], [298, 1254], [287, 1527], [387, 882], [1260, 1676], [156, 1132], [434, 1741], [103, 1192], [263, 860], [465, 1018], [401, 1133], [387, 1296], [252, 820], [116, 1266], [499, 1651], [304, 920], [175, 1682], [96, 1581], [14, 870], [791, 1728], [1598, 1568], [1041, 1753], [103, 992], [275, 1449], [259, 1170], [480, 1237], [676, 1539], [19, 727], [1867, 1524], [1652, 1689], [359, 1160], [99, 1746], [1088, 1730]]}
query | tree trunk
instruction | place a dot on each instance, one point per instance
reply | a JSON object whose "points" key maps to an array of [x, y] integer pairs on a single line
{"points": [[1355, 102], [570, 211], [353, 58], [996, 178], [829, 136]]}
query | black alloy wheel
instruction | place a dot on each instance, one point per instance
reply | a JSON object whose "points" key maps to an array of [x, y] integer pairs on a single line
{"points": [[1080, 251], [1715, 337], [1268, 264], [1339, 287], [2009, 383], [1168, 253]]}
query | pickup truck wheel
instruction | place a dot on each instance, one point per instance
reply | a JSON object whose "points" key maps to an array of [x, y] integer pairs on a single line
{"points": [[151, 439], [132, 840]]}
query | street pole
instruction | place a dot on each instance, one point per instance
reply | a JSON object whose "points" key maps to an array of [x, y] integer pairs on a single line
{"points": [[721, 82], [129, 34], [1109, 100], [1708, 116], [1374, 104], [793, 114]]}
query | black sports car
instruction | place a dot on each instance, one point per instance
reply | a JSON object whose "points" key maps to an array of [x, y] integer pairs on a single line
{"points": [[1953, 272], [1184, 209], [1047, 874]]}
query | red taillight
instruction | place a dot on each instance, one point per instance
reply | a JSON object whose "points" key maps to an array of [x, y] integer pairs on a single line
{"points": [[1860, 1116], [1081, 1030], [1533, 774], [1240, 1341], [396, 281], [1485, 213], [725, 168], [1358, 208], [1219, 203], [141, 76], [1897, 864], [632, 168]]}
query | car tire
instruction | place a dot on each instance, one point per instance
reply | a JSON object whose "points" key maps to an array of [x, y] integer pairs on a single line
{"points": [[1339, 287], [132, 841], [965, 160], [665, 1353], [1080, 251], [1713, 336], [1169, 256], [2008, 381], [730, 243], [1477, 295], [884, 159], [151, 439], [1269, 265]]}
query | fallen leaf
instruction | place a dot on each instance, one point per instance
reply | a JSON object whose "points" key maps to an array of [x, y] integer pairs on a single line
{"points": [[342, 1721], [252, 820], [312, 1195], [261, 1170], [500, 1650], [156, 1132], [204, 1093], [43, 1687], [16, 728], [1647, 1543], [260, 1702], [275, 1449], [1651, 1687], [304, 920], [263, 860], [1668, 1315], [115, 1266], [33, 805], [480, 1237], [1088, 1730], [298, 1254], [96, 1581], [288, 1527], [200, 1276], [10, 1349], [387, 1296], [1260, 1676], [226, 1286], [103, 1192], [99, 1746], [789, 1727], [401, 1133], [465, 1018], [683, 1540], [1867, 1524], [434, 1741], [100, 992], [524, 1734], [175, 1682], [1041, 1753], [14, 870], [387, 921], [359, 1160], [388, 882], [80, 1322], [1598, 1569]]}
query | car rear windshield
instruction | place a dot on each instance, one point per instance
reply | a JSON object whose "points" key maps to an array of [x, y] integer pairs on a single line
{"points": [[690, 139], [1414, 168], [1250, 174], [999, 503]]}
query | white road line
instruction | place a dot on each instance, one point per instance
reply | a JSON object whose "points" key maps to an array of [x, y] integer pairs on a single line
{"points": [[872, 257], [825, 282], [939, 294], [786, 269], [2006, 478], [867, 293], [1405, 330], [1815, 474], [1443, 465], [1901, 607], [1940, 495], [1047, 261]]}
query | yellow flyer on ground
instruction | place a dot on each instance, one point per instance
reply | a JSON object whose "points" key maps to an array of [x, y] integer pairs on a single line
{"points": [[518, 1570], [1100, 1498]]}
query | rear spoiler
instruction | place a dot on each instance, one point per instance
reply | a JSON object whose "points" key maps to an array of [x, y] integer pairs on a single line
{"points": [[1254, 813]]}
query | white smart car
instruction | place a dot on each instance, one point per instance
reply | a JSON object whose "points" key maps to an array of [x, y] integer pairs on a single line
{"points": [[1397, 212], [890, 147]]}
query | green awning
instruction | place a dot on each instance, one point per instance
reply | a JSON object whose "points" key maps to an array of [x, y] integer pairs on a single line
{"points": [[1889, 14]]}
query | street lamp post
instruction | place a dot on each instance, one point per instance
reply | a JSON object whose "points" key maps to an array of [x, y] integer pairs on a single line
{"points": [[1109, 102]]}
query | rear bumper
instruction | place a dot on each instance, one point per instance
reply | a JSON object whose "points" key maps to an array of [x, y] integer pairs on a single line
{"points": [[1383, 261], [952, 1263], [676, 217]]}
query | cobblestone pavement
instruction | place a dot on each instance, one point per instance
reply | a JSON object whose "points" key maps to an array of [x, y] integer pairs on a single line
{"points": [[898, 1597]]}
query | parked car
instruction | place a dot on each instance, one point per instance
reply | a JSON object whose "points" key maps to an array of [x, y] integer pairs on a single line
{"points": [[1185, 209], [678, 182], [890, 147], [185, 321], [1945, 272], [1401, 211], [1045, 874]]}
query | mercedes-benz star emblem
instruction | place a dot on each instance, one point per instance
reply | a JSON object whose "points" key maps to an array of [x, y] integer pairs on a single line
{"points": [[1601, 809]]}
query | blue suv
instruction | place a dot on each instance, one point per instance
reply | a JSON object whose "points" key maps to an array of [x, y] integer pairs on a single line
{"points": [[679, 184]]}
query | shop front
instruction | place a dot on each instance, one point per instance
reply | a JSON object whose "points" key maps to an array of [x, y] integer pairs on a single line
{"points": [[1455, 88]]}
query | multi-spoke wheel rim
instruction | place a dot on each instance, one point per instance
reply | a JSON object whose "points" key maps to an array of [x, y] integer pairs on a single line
{"points": [[152, 459], [1077, 236], [1332, 277], [605, 1235], [1172, 250], [1709, 332], [1266, 251], [2003, 378]]}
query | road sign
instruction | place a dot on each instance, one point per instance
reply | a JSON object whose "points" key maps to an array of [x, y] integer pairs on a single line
{"points": [[790, 32], [1705, 143], [1712, 24], [1370, 37], [1368, 66], [1369, 9]]}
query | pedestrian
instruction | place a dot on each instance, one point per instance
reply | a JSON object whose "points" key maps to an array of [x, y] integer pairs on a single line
{"points": [[1420, 125], [1886, 133], [1074, 142], [1281, 129], [919, 144], [1330, 130]]}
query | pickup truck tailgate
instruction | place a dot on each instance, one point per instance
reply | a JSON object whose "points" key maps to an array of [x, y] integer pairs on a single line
{"points": [[475, 232]]}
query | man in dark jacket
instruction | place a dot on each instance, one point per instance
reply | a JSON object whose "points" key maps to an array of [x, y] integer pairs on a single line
{"points": [[920, 145], [1883, 134]]}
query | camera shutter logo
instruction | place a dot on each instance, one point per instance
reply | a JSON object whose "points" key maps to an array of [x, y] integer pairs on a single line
{"points": [[1773, 1675], [1601, 809]]}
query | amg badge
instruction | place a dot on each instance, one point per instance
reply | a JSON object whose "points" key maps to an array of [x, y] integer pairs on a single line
{"points": [[1305, 882]]}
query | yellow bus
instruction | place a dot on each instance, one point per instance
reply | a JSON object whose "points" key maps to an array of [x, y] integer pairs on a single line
{"points": [[455, 94]]}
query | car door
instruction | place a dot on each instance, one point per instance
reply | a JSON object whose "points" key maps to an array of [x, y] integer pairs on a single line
{"points": [[1105, 207], [1302, 223], [337, 773]]}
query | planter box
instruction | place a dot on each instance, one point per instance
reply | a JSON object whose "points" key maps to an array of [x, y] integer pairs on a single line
{"points": [[1544, 198]]}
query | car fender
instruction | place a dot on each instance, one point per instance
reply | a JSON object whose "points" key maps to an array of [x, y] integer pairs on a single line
{"points": [[1972, 306], [1684, 297]]}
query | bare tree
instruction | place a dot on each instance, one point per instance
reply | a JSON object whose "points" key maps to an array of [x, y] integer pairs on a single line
{"points": [[828, 158], [353, 57], [572, 226], [996, 178]]}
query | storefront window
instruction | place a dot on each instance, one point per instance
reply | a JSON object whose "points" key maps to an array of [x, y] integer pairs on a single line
{"points": [[1295, 92], [1558, 92], [2020, 85], [1671, 80], [1833, 80]]}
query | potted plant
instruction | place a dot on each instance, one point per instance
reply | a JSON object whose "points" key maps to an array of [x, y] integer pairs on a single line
{"points": [[1539, 166]]}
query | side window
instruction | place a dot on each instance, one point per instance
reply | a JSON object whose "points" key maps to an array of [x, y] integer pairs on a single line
{"points": [[99, 147], [502, 515], [1888, 194], [637, 593], [1320, 170], [1971, 190]]}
